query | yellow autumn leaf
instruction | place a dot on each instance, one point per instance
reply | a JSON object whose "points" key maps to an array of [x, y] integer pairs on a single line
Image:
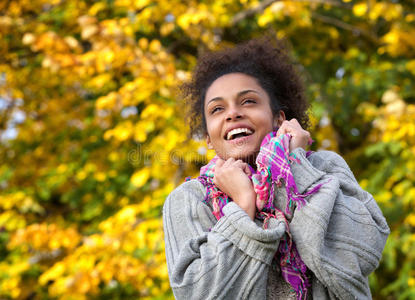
{"points": [[410, 219], [123, 131], [265, 18], [28, 38], [410, 66], [143, 43], [184, 21], [140, 135], [150, 110], [107, 101], [391, 37], [97, 7], [155, 46], [139, 178], [55, 271], [360, 9], [88, 31], [166, 28], [100, 176]]}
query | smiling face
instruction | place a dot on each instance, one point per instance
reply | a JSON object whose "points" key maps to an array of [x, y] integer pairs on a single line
{"points": [[238, 116]]}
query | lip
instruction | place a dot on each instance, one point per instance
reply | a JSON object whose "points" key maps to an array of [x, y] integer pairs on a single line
{"points": [[240, 141], [238, 126]]}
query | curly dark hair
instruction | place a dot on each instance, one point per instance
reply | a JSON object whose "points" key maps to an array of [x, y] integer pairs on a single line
{"points": [[265, 59]]}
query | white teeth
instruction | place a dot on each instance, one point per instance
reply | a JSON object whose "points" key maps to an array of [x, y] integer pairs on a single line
{"points": [[236, 131]]}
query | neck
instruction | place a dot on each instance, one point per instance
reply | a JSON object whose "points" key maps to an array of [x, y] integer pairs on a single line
{"points": [[251, 161]]}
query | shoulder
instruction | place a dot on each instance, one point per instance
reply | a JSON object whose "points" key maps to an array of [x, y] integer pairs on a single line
{"points": [[326, 160], [185, 205], [191, 189], [332, 163]]}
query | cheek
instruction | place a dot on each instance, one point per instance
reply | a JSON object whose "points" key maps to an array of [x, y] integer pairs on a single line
{"points": [[212, 128], [269, 124]]}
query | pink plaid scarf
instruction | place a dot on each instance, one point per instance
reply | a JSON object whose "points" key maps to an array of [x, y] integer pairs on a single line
{"points": [[273, 168]]}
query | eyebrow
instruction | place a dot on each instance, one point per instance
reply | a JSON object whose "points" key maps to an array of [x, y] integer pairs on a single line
{"points": [[240, 94]]}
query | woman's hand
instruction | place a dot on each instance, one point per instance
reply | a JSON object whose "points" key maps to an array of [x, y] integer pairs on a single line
{"points": [[231, 176], [299, 136]]}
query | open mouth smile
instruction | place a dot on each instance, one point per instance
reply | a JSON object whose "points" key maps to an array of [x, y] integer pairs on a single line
{"points": [[237, 133]]}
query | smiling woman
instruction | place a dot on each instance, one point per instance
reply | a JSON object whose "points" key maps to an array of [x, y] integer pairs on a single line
{"points": [[266, 219], [238, 116]]}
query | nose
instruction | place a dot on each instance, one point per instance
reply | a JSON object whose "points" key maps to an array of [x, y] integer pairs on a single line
{"points": [[233, 114]]}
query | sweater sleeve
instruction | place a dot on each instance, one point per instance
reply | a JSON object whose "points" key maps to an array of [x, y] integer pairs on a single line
{"points": [[341, 232], [227, 259]]}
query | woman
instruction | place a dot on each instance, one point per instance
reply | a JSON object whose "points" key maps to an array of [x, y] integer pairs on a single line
{"points": [[266, 219]]}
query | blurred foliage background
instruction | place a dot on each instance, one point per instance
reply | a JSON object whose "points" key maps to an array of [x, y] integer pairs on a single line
{"points": [[92, 138]]}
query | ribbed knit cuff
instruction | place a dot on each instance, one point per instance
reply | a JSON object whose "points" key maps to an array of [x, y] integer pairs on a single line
{"points": [[304, 173], [237, 227]]}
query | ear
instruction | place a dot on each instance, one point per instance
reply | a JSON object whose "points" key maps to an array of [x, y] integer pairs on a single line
{"points": [[208, 142], [279, 118]]}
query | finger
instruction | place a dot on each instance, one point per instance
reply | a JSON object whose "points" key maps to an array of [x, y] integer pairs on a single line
{"points": [[246, 169], [294, 122], [283, 129], [295, 126], [219, 163], [296, 129], [238, 163], [232, 165], [291, 127], [229, 162]]}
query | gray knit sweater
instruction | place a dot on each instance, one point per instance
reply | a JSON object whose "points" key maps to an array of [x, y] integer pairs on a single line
{"points": [[340, 234]]}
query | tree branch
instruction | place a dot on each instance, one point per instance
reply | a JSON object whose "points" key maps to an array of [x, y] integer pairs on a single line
{"points": [[326, 2], [340, 24], [264, 4], [250, 12]]}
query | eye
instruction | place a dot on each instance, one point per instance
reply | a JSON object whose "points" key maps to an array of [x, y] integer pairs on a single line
{"points": [[215, 109], [247, 101]]}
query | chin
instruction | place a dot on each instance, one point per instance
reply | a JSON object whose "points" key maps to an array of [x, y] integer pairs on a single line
{"points": [[246, 156]]}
